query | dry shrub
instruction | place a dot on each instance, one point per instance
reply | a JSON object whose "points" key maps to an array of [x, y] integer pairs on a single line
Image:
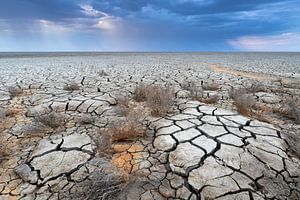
{"points": [[122, 105], [52, 120], [102, 73], [14, 91], [103, 142], [210, 99], [159, 100], [72, 87], [292, 138], [211, 85], [195, 92], [290, 108], [84, 119], [128, 130], [140, 92], [256, 87], [243, 101], [4, 153]]}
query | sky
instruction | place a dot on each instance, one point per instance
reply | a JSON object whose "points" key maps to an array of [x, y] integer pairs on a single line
{"points": [[149, 25]]}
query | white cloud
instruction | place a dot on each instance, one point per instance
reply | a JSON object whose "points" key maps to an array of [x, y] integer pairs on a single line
{"points": [[282, 42], [90, 11], [52, 27], [108, 23]]}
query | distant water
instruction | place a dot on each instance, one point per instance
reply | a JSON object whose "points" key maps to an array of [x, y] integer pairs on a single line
{"points": [[286, 64]]}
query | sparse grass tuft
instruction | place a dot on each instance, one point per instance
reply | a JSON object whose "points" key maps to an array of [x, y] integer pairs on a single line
{"points": [[122, 105], [53, 120], [211, 85], [243, 101], [128, 130], [293, 140], [210, 99], [140, 92], [290, 108], [84, 119], [256, 87], [159, 100], [72, 87], [102, 73], [196, 93], [14, 91]]}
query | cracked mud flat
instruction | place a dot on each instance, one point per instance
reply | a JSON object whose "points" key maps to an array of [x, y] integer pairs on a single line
{"points": [[199, 151]]}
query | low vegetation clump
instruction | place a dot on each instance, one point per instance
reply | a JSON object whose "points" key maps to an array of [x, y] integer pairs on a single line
{"points": [[292, 138], [52, 120], [211, 85], [290, 108], [128, 130], [14, 91], [140, 92], [123, 105], [71, 87], [158, 99], [102, 73], [196, 93], [209, 99], [243, 101], [256, 87], [84, 119]]}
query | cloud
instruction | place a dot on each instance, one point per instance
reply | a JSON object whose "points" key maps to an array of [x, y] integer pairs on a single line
{"points": [[282, 42], [90, 11]]}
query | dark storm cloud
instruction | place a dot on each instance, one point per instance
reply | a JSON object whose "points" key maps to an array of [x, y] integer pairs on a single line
{"points": [[178, 24]]}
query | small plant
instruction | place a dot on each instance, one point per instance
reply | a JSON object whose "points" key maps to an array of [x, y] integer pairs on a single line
{"points": [[256, 87], [211, 85], [291, 109], [128, 130], [84, 119], [123, 105], [14, 91], [140, 92], [103, 142], [159, 100], [243, 101], [72, 87], [102, 73], [209, 99], [52, 120], [293, 140]]}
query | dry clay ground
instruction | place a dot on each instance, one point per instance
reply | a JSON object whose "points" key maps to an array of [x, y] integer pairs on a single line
{"points": [[196, 151]]}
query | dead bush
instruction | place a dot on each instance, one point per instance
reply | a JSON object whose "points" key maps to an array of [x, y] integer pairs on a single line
{"points": [[140, 92], [72, 87], [122, 105], [290, 108], [14, 91], [195, 91], [292, 138], [209, 99], [210, 85], [243, 101], [52, 120], [103, 142], [159, 100], [102, 73], [4, 153], [84, 119], [128, 130], [256, 87]]}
